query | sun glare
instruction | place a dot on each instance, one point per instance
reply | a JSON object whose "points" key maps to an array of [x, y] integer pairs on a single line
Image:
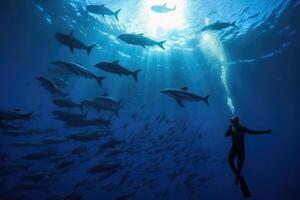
{"points": [[156, 23]]}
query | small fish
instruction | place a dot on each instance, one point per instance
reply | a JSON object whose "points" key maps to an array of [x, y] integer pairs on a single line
{"points": [[37, 176], [67, 116], [54, 140], [81, 150], [26, 144], [65, 164], [31, 186], [104, 167], [10, 168], [112, 143], [40, 155], [87, 136], [5, 126], [125, 196], [88, 122]]}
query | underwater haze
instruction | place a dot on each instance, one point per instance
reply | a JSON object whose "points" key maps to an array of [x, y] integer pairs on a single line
{"points": [[140, 99]]}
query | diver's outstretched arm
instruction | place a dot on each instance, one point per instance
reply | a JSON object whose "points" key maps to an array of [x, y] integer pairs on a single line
{"points": [[258, 132]]}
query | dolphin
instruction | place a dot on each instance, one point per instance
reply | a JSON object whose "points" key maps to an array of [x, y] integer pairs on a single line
{"points": [[53, 140], [9, 168], [40, 155], [105, 167], [103, 103], [217, 26], [10, 115], [65, 103], [86, 136], [116, 68], [79, 70], [140, 40], [67, 116], [102, 10], [183, 95], [51, 87], [162, 8], [5, 126], [72, 42], [38, 176], [88, 122]]}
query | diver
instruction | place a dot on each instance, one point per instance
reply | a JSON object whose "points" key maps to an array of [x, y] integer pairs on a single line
{"points": [[237, 133]]}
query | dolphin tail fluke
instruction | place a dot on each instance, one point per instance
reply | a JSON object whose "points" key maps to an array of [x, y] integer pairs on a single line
{"points": [[121, 105], [99, 80], [161, 44], [117, 111], [135, 74], [29, 116], [65, 95], [105, 93], [89, 49], [234, 24], [109, 121], [116, 14], [206, 100]]}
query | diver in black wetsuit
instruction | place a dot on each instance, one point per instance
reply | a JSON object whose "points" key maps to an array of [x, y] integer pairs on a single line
{"points": [[237, 133]]}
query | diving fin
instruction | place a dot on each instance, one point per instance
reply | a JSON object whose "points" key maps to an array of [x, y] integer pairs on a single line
{"points": [[244, 187]]}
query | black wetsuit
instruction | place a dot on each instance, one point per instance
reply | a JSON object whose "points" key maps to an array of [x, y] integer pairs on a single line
{"points": [[237, 150]]}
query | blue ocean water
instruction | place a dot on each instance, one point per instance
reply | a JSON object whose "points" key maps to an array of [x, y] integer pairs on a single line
{"points": [[154, 147]]}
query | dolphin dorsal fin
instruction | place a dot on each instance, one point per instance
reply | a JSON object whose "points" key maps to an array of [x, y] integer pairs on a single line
{"points": [[141, 34], [116, 62], [185, 88], [71, 33]]}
